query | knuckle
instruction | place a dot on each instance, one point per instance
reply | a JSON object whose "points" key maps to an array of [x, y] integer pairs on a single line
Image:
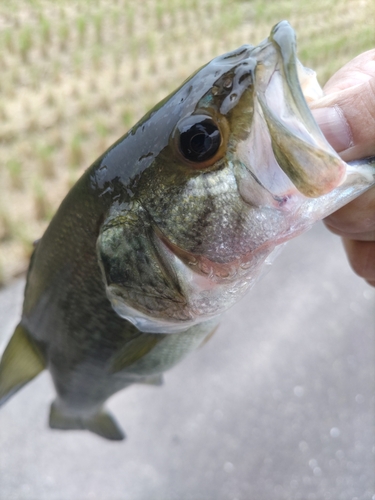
{"points": [[361, 256]]}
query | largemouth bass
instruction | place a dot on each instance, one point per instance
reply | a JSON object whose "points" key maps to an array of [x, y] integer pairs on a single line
{"points": [[171, 226]]}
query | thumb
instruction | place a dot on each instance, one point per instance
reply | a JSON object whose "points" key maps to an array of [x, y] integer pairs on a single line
{"points": [[347, 119]]}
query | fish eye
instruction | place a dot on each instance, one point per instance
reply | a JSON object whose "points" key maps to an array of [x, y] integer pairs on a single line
{"points": [[198, 139]]}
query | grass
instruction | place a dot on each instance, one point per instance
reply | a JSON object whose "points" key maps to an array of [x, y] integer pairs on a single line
{"points": [[75, 75]]}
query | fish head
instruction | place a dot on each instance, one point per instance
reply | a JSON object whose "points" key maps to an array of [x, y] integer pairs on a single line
{"points": [[225, 170]]}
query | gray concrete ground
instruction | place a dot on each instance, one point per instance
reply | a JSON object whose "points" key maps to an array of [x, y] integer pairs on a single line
{"points": [[278, 405]]}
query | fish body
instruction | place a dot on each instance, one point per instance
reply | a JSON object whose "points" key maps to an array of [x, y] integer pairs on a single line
{"points": [[171, 226]]}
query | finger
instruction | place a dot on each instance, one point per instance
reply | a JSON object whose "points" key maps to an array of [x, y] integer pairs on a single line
{"points": [[346, 114], [357, 71], [361, 256], [347, 119], [368, 236], [356, 220]]}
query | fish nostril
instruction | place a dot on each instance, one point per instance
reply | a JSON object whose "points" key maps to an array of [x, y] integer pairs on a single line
{"points": [[245, 76]]}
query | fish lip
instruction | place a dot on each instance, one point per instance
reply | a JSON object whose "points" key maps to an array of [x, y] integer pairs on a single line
{"points": [[297, 145], [283, 38]]}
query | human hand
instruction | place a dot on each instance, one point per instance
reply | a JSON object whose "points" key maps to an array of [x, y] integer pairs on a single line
{"points": [[346, 115]]}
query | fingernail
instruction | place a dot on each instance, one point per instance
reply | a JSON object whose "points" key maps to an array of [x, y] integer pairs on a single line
{"points": [[334, 126]]}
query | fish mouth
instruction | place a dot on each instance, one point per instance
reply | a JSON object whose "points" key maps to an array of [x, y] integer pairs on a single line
{"points": [[286, 149]]}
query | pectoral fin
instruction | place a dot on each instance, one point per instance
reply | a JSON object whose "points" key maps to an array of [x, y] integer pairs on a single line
{"points": [[134, 350], [21, 362]]}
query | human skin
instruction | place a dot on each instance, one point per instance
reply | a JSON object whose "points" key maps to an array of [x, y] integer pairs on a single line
{"points": [[346, 115]]}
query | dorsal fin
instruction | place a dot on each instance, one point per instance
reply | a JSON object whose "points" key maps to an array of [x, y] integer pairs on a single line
{"points": [[21, 362]]}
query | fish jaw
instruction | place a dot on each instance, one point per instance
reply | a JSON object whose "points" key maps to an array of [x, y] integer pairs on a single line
{"points": [[286, 162], [286, 151]]}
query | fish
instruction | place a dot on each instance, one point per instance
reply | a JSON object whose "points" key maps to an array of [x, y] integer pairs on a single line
{"points": [[171, 226]]}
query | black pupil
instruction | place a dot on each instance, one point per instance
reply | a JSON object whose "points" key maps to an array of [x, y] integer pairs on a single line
{"points": [[199, 141]]}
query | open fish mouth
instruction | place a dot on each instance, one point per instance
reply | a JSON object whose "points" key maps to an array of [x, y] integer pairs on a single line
{"points": [[286, 150], [196, 230]]}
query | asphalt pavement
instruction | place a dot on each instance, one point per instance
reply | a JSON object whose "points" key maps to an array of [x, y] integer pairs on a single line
{"points": [[279, 404]]}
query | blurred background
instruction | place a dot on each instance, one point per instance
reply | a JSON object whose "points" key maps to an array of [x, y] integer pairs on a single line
{"points": [[76, 75]]}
